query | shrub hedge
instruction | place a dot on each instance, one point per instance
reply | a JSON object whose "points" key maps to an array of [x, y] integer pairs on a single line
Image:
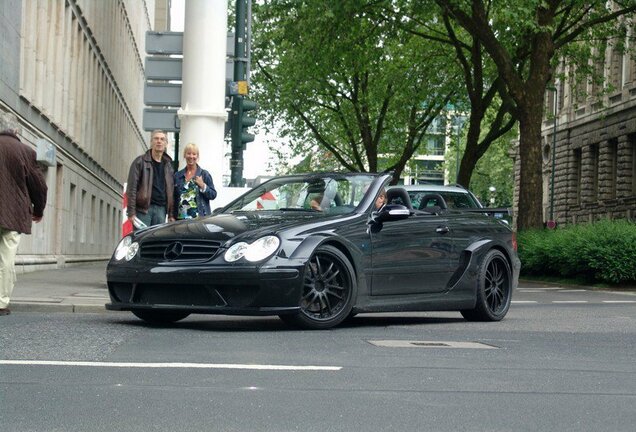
{"points": [[603, 251]]}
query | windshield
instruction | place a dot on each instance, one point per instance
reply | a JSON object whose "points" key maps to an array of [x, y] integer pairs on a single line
{"points": [[322, 194]]}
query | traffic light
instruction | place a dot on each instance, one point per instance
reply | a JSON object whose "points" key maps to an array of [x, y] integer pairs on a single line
{"points": [[245, 106], [240, 121]]}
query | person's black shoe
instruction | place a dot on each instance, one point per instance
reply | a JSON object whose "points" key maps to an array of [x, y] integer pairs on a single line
{"points": [[5, 311]]}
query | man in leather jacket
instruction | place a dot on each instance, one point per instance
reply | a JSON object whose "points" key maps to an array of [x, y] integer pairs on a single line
{"points": [[23, 195], [150, 184]]}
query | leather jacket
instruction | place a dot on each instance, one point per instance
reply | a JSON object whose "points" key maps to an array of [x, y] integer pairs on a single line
{"points": [[139, 187], [23, 187]]}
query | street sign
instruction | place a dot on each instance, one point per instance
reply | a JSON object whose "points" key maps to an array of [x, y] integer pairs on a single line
{"points": [[164, 42], [163, 68], [162, 94], [164, 97], [172, 43], [161, 118]]}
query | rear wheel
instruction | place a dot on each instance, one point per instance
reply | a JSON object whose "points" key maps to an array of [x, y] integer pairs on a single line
{"points": [[328, 291], [494, 289], [160, 317]]}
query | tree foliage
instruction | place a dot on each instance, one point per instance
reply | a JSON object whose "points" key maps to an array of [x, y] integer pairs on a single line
{"points": [[357, 82], [483, 88], [524, 39], [336, 76]]}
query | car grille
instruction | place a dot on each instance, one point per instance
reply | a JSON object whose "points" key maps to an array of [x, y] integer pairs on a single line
{"points": [[179, 250], [185, 295]]}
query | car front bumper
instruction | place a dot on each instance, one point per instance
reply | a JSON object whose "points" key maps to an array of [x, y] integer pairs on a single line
{"points": [[228, 290]]}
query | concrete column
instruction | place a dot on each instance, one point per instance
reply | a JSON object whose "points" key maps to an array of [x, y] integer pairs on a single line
{"points": [[589, 175], [202, 112], [607, 170], [625, 173]]}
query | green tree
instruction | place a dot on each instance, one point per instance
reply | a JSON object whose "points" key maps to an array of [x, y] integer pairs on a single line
{"points": [[495, 167], [334, 75], [483, 88], [524, 38]]}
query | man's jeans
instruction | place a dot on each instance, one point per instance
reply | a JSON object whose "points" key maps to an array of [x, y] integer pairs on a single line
{"points": [[156, 215]]}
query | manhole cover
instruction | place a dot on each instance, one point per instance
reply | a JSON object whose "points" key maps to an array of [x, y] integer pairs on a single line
{"points": [[430, 344]]}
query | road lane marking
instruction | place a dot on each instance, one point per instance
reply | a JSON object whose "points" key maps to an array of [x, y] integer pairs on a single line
{"points": [[170, 365], [524, 301], [570, 301], [536, 289], [619, 301]]}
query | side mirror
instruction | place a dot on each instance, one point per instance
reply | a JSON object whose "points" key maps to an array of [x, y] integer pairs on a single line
{"points": [[389, 213]]}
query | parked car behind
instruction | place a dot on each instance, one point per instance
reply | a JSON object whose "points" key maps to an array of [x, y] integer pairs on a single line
{"points": [[455, 197]]}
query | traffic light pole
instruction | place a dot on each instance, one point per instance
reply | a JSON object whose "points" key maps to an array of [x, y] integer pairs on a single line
{"points": [[240, 67]]}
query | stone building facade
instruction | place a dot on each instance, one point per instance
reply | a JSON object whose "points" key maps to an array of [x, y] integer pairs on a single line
{"points": [[73, 73], [595, 148]]}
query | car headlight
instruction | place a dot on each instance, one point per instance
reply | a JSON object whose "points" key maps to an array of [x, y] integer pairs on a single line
{"points": [[262, 248], [132, 251], [235, 252], [257, 251], [126, 249]]}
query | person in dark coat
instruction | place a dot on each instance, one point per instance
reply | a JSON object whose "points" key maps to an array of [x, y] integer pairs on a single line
{"points": [[193, 187], [23, 196], [150, 184]]}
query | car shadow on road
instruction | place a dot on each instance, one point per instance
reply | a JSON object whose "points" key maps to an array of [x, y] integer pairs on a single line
{"points": [[266, 324], [392, 320]]}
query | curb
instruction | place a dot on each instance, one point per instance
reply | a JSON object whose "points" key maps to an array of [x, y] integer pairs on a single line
{"points": [[56, 307]]}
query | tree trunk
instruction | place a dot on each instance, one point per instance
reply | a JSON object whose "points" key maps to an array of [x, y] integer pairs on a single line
{"points": [[529, 213], [466, 168]]}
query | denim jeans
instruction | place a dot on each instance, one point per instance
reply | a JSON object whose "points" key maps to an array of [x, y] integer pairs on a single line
{"points": [[156, 215]]}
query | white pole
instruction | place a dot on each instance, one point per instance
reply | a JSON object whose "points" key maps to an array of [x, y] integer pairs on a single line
{"points": [[202, 112]]}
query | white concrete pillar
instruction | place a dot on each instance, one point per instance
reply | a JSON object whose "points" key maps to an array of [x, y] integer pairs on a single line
{"points": [[202, 112]]}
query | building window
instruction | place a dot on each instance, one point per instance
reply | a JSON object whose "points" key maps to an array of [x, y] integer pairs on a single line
{"points": [[435, 145], [428, 171], [83, 213], [72, 208], [438, 126]]}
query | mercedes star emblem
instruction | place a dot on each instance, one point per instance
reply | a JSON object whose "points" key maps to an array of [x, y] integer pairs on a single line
{"points": [[173, 251]]}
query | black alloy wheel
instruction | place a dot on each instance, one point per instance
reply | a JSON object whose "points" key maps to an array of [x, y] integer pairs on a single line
{"points": [[494, 289], [328, 290], [160, 317]]}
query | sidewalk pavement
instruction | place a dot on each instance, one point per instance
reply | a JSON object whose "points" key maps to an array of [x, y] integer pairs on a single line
{"points": [[76, 288]]}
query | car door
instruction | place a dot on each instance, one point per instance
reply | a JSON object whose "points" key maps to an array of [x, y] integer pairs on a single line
{"points": [[411, 256]]}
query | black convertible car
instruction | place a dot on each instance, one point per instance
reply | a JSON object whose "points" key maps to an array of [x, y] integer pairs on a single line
{"points": [[315, 249]]}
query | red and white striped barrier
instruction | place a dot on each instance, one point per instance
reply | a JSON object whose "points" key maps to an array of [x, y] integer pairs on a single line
{"points": [[126, 225]]}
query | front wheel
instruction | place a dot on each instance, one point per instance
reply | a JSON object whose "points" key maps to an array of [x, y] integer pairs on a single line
{"points": [[160, 317], [494, 289], [328, 292]]}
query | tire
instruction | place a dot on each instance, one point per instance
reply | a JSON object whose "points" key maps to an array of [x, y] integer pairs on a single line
{"points": [[328, 291], [494, 289], [160, 317]]}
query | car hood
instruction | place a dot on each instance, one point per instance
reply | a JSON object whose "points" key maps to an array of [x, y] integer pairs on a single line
{"points": [[224, 227]]}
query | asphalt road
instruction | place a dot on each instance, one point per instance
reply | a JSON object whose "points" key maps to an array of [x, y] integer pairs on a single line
{"points": [[562, 360]]}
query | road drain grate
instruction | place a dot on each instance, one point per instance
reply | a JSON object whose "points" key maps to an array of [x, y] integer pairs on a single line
{"points": [[430, 344]]}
